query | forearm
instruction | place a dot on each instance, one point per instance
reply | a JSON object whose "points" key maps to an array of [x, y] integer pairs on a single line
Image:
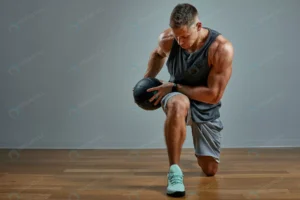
{"points": [[155, 64], [199, 93]]}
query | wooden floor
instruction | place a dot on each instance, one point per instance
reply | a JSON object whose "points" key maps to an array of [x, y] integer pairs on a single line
{"points": [[142, 174]]}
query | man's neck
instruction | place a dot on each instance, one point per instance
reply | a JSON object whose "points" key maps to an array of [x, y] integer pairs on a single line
{"points": [[202, 37]]}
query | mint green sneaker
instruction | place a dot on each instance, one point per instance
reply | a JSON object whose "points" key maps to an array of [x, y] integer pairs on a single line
{"points": [[175, 182]]}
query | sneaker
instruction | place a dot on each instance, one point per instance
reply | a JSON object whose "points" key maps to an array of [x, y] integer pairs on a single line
{"points": [[175, 182]]}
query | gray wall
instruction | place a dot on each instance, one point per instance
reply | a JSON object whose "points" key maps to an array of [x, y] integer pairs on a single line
{"points": [[68, 69]]}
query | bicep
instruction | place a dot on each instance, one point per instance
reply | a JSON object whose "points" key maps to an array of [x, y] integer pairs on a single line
{"points": [[160, 51], [221, 70]]}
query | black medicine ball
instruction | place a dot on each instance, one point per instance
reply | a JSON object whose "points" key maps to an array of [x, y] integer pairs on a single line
{"points": [[141, 96]]}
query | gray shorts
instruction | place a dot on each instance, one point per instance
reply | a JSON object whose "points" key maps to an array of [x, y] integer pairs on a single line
{"points": [[206, 135]]}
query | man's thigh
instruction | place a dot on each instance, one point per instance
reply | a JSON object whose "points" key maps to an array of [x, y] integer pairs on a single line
{"points": [[207, 138]]}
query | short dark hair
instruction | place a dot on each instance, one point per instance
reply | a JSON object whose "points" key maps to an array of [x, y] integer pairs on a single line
{"points": [[183, 14]]}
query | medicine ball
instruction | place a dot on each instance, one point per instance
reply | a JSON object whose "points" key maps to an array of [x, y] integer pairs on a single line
{"points": [[141, 96]]}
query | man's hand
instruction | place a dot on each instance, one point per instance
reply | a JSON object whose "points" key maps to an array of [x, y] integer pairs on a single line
{"points": [[162, 90]]}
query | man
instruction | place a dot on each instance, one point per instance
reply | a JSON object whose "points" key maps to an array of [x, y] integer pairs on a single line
{"points": [[200, 66]]}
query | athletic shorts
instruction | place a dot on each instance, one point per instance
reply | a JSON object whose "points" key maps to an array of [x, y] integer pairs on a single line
{"points": [[206, 135]]}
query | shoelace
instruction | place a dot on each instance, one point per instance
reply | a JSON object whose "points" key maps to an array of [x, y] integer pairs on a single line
{"points": [[175, 178]]}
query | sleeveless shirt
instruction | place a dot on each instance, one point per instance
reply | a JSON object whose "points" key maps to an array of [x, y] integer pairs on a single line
{"points": [[192, 69]]}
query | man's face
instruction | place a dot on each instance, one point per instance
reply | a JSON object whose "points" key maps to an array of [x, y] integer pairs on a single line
{"points": [[186, 36]]}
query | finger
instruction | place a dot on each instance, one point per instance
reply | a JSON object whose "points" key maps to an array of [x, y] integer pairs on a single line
{"points": [[154, 97], [152, 89], [158, 100]]}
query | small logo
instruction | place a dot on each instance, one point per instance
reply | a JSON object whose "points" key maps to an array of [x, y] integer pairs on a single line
{"points": [[14, 113], [14, 155], [73, 154], [14, 196], [74, 196]]}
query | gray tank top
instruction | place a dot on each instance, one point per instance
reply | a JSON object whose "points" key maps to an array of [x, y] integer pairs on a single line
{"points": [[192, 69]]}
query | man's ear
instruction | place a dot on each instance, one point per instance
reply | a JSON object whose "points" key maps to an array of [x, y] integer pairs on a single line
{"points": [[199, 26]]}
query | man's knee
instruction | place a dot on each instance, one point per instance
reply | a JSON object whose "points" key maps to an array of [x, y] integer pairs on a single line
{"points": [[208, 165], [178, 105], [210, 171]]}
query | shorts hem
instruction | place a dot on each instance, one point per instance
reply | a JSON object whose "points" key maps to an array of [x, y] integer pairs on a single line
{"points": [[216, 158]]}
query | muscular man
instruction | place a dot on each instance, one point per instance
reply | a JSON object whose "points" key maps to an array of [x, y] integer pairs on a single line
{"points": [[199, 60]]}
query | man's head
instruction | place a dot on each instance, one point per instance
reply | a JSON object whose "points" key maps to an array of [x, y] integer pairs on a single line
{"points": [[185, 24]]}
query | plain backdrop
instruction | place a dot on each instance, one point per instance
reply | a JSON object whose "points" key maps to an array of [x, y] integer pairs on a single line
{"points": [[68, 69]]}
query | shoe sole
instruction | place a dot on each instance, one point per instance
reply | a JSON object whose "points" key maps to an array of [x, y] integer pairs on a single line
{"points": [[176, 194]]}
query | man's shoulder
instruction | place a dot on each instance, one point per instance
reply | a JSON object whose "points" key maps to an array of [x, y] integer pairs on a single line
{"points": [[221, 46], [221, 43], [166, 39]]}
